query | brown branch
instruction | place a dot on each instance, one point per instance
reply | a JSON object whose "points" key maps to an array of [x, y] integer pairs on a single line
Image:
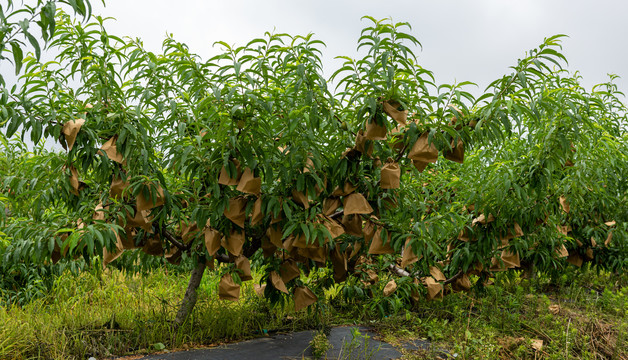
{"points": [[175, 242]]}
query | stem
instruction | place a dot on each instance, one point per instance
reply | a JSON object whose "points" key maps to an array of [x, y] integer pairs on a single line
{"points": [[190, 297]]}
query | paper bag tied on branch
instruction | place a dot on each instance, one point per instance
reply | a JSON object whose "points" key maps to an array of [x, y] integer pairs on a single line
{"points": [[228, 289], [437, 274], [268, 248], [278, 284], [243, 264], [70, 131], [248, 183], [362, 144], [225, 179], [456, 154], [140, 219], [303, 297], [375, 131], [390, 175], [339, 262], [408, 257], [111, 150], [117, 187], [234, 242], [74, 181], [335, 229], [213, 239], [434, 288], [236, 211], [289, 271], [275, 234], [318, 254], [256, 215], [150, 197], [153, 246], [377, 244], [330, 205], [423, 151], [356, 204], [346, 189], [300, 198], [391, 108], [352, 224]]}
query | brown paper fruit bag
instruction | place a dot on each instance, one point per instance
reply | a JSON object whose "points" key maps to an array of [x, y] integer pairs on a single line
{"points": [[346, 189], [375, 131], [278, 284], [256, 215], [228, 289], [511, 260], [318, 254], [289, 271], [300, 198], [117, 187], [434, 288], [155, 197], [377, 245], [456, 154], [274, 234], [234, 243], [330, 205], [362, 144], [236, 211], [224, 179], [213, 239], [420, 165], [259, 289], [423, 151], [74, 181], [462, 283], [334, 228], [70, 130], [107, 256], [356, 204], [437, 274], [268, 248], [352, 224], [391, 173], [152, 245], [391, 108], [249, 184], [303, 297], [140, 219], [243, 264], [111, 150], [408, 257], [564, 204], [575, 259], [390, 288], [339, 262]]}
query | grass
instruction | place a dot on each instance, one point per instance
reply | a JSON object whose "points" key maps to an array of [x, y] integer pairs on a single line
{"points": [[121, 314]]}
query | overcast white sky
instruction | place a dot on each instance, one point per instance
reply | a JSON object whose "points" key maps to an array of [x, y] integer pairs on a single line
{"points": [[462, 39]]}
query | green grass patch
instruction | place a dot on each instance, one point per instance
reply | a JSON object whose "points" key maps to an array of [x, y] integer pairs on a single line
{"points": [[582, 317]]}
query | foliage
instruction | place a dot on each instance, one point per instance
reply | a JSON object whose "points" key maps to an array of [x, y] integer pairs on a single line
{"points": [[537, 153]]}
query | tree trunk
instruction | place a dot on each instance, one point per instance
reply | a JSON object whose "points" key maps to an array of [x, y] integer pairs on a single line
{"points": [[189, 300]]}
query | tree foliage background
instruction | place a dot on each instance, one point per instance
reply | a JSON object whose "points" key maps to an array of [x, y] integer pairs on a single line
{"points": [[254, 158]]}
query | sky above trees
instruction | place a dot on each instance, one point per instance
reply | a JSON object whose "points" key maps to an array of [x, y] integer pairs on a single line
{"points": [[462, 40]]}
